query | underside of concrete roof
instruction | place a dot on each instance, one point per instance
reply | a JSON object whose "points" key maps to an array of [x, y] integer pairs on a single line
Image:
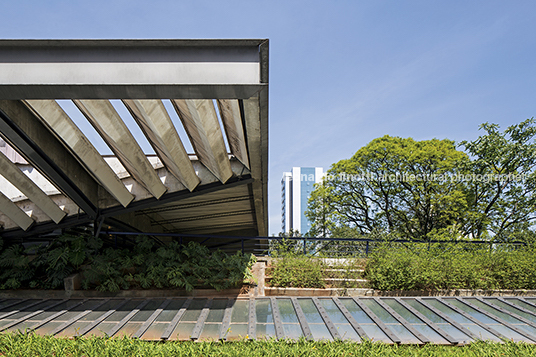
{"points": [[52, 175]]}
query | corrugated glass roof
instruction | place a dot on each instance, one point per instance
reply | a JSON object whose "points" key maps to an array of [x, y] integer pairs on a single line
{"points": [[407, 320]]}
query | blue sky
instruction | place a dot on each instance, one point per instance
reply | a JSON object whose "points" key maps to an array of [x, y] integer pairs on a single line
{"points": [[341, 72]]}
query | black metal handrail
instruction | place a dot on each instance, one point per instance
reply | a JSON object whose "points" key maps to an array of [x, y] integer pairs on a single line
{"points": [[367, 241]]}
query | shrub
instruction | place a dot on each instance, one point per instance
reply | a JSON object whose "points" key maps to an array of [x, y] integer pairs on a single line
{"points": [[169, 266], [145, 266], [45, 266], [450, 266], [297, 272]]}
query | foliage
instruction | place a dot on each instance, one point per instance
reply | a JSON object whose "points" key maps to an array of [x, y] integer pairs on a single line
{"points": [[65, 256], [421, 189], [389, 186], [16, 268], [145, 266], [45, 266], [21, 344], [297, 272], [348, 248], [107, 271], [450, 266], [414, 266], [288, 244], [291, 268], [168, 266], [504, 200]]}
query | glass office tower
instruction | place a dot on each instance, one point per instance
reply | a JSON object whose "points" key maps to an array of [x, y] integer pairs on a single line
{"points": [[296, 187]]}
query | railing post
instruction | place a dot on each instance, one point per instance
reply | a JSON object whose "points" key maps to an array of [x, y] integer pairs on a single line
{"points": [[304, 249], [366, 249]]}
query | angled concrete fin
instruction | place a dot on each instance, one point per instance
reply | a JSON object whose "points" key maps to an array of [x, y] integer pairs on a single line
{"points": [[201, 123], [58, 121], [104, 118], [20, 126], [232, 121], [154, 121], [13, 174], [14, 213]]}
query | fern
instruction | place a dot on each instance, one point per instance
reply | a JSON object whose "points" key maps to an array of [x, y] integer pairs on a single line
{"points": [[145, 266], [16, 268]]}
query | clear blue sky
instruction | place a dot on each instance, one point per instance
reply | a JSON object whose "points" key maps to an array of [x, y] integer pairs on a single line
{"points": [[341, 72]]}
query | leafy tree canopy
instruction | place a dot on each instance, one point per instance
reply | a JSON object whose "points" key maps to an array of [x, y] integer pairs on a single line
{"points": [[419, 189], [503, 201], [392, 184]]}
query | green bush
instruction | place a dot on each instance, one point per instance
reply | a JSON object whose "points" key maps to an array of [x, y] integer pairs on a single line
{"points": [[297, 272], [169, 266], [145, 266], [45, 266], [450, 266], [291, 269]]}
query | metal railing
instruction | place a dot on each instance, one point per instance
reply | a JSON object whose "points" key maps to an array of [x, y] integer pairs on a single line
{"points": [[325, 247]]}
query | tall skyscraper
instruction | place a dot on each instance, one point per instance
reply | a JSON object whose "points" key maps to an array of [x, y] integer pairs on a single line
{"points": [[296, 187]]}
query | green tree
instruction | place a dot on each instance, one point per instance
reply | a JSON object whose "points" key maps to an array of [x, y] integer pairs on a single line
{"points": [[393, 185], [502, 191], [320, 211]]}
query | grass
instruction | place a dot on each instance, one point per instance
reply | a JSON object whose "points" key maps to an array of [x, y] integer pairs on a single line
{"points": [[20, 344]]}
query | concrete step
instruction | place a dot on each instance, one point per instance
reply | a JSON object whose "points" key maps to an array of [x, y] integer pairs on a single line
{"points": [[348, 270]]}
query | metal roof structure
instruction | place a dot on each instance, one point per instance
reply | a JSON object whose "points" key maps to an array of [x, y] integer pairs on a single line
{"points": [[408, 320], [52, 176]]}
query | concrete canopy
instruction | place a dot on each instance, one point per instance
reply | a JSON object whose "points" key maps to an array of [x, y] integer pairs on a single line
{"points": [[219, 189]]}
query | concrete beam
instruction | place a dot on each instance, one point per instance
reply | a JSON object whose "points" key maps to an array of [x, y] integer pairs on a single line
{"points": [[134, 69], [177, 196], [200, 121], [232, 121], [13, 212], [24, 131], [11, 172], [102, 115], [171, 182], [59, 122], [153, 119]]}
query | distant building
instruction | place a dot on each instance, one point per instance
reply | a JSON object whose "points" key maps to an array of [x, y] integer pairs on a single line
{"points": [[296, 187]]}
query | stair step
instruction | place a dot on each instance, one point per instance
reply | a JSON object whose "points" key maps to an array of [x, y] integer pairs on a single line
{"points": [[348, 270], [331, 279]]}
